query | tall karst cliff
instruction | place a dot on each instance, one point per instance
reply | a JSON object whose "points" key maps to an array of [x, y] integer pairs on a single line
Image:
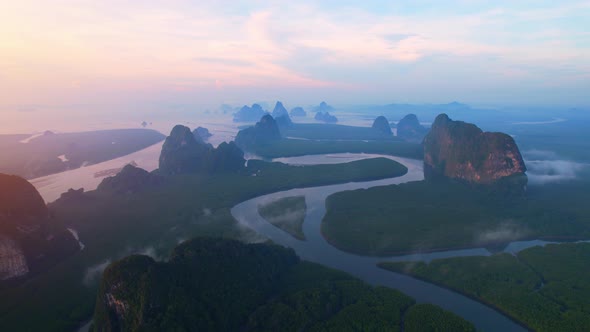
{"points": [[460, 150]]}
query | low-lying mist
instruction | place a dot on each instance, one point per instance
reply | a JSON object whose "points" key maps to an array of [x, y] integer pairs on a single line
{"points": [[546, 167]]}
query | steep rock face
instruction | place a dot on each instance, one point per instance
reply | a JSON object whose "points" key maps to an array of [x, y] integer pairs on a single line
{"points": [[410, 129], [325, 117], [265, 131], [125, 295], [248, 114], [29, 240], [131, 179], [182, 153], [279, 110], [298, 111], [381, 124], [228, 157], [281, 115], [460, 150]]}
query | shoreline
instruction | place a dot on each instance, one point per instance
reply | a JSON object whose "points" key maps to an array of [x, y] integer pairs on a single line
{"points": [[504, 245], [479, 300]]}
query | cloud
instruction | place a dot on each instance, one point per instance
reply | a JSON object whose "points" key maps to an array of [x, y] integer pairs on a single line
{"points": [[554, 120], [548, 171], [187, 47], [224, 61], [94, 272], [503, 233], [151, 251]]}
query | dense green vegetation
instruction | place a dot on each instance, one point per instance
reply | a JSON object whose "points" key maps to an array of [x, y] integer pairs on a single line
{"points": [[428, 317], [546, 288], [316, 131], [225, 285], [113, 225], [298, 147], [316, 175], [287, 213], [443, 215], [39, 156]]}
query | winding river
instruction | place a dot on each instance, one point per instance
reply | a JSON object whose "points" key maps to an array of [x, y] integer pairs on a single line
{"points": [[316, 249]]}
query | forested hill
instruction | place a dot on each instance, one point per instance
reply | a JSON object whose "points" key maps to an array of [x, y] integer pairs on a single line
{"points": [[225, 285]]}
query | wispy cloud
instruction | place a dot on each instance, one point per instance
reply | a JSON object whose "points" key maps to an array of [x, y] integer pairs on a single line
{"points": [[548, 167], [548, 171], [187, 46]]}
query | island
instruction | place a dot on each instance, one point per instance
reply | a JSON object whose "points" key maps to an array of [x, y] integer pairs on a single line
{"points": [[323, 107], [202, 133], [325, 117], [460, 150], [249, 113], [281, 115], [298, 112], [381, 124], [287, 213], [410, 129], [267, 139]]}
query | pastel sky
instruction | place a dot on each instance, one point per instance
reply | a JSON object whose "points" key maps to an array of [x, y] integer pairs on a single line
{"points": [[125, 52]]}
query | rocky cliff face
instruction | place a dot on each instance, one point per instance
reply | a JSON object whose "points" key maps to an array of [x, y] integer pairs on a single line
{"points": [[460, 150], [279, 110], [281, 115], [228, 157], [182, 153], [381, 124], [265, 131], [125, 294], [410, 129], [29, 239]]}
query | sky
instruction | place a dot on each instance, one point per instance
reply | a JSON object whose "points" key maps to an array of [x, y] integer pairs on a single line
{"points": [[127, 54]]}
